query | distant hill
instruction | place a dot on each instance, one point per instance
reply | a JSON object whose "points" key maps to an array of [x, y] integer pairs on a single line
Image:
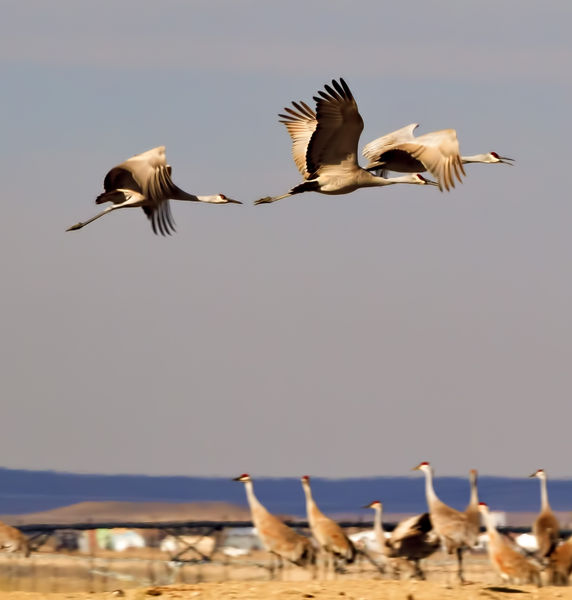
{"points": [[37, 491], [84, 512]]}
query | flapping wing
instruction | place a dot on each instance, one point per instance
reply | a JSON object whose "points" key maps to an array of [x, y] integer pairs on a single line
{"points": [[439, 152], [374, 150], [339, 126], [161, 218], [301, 124]]}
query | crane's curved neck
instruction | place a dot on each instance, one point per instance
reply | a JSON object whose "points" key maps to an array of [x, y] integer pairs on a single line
{"points": [[491, 529], [252, 499], [544, 505], [475, 158], [429, 489]]}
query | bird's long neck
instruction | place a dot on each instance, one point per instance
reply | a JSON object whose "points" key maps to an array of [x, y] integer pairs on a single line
{"points": [[311, 509], [253, 502], [544, 505], [378, 526], [475, 158], [368, 179], [430, 494], [491, 529], [474, 501]]}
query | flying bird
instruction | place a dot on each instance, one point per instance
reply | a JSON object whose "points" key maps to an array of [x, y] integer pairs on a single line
{"points": [[325, 145], [144, 181], [436, 152]]}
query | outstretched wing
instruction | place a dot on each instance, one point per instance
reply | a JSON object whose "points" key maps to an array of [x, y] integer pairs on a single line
{"points": [[439, 152], [374, 150], [301, 124], [337, 133]]}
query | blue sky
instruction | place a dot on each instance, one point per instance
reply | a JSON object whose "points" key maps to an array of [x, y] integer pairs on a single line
{"points": [[336, 336]]}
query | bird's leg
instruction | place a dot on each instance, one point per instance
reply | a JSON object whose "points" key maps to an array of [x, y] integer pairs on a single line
{"points": [[103, 212], [269, 199], [460, 565]]}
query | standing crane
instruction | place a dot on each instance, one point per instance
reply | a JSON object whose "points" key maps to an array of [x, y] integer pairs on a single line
{"points": [[510, 564], [144, 181], [436, 152], [325, 145], [452, 526], [333, 542], [276, 537], [546, 528], [412, 539]]}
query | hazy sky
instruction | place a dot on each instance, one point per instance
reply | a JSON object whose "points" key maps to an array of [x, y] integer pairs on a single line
{"points": [[336, 336]]}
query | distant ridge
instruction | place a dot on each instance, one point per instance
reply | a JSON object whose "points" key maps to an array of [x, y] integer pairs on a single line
{"points": [[23, 491]]}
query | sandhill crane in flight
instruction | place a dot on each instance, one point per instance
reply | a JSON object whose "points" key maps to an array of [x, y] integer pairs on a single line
{"points": [[436, 152], [510, 564], [276, 537], [452, 526], [412, 539], [144, 181], [325, 144], [546, 528], [333, 542]]}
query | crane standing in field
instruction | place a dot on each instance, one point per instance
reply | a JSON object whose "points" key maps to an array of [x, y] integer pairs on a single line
{"points": [[412, 539], [511, 565], [276, 537], [325, 144], [452, 526], [436, 152], [546, 528], [333, 542], [144, 181]]}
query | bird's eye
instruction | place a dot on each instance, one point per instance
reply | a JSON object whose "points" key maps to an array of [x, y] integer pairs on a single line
{"points": [[222, 196]]}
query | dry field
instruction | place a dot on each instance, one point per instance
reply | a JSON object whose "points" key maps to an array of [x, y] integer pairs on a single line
{"points": [[72, 577]]}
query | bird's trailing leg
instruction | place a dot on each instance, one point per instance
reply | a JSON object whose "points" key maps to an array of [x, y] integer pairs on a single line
{"points": [[269, 199], [460, 565], [84, 223]]}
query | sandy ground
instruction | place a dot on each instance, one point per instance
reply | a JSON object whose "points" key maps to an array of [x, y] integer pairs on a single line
{"points": [[75, 578], [346, 589]]}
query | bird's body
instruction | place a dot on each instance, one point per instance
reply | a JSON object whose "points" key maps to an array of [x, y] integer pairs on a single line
{"points": [[510, 564], [276, 537], [13, 540], [332, 540], [560, 563], [546, 528], [452, 526], [144, 181], [412, 539], [436, 152], [325, 145]]}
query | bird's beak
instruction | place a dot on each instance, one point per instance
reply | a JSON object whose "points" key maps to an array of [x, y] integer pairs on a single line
{"points": [[367, 506], [505, 160], [235, 479], [533, 475], [415, 468], [231, 201], [428, 181]]}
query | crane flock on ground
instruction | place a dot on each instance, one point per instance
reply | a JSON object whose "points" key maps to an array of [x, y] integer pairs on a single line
{"points": [[417, 537], [325, 151]]}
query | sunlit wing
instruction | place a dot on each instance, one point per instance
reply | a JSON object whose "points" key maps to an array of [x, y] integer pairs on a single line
{"points": [[373, 151], [301, 124]]}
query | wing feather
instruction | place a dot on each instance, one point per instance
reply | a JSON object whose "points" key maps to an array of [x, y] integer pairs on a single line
{"points": [[301, 124], [339, 127]]}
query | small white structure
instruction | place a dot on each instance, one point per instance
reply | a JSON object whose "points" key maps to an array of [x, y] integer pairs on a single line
{"points": [[124, 539]]}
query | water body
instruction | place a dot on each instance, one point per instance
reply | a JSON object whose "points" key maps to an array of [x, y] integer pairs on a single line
{"points": [[32, 491]]}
